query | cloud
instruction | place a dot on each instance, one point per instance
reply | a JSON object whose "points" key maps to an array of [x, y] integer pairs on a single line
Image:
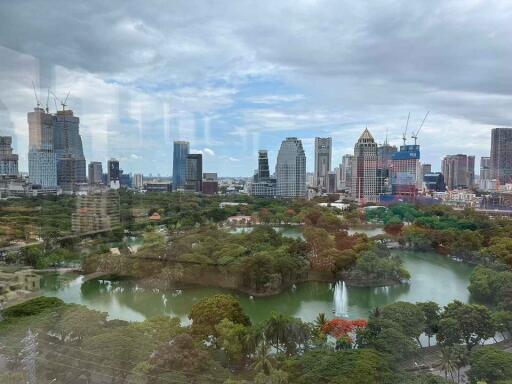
{"points": [[234, 76]]}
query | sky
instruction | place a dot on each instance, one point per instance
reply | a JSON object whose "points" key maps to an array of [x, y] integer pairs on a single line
{"points": [[233, 77]]}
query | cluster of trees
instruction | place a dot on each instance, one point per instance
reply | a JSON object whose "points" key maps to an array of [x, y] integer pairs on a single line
{"points": [[261, 261], [360, 260], [466, 234], [45, 339], [492, 287], [28, 218]]}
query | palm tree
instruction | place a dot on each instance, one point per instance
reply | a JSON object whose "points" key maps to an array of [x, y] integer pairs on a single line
{"points": [[461, 359], [320, 321], [276, 330], [262, 361], [447, 363]]}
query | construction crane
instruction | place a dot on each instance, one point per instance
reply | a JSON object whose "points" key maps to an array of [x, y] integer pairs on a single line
{"points": [[415, 134], [47, 98], [63, 103], [404, 136], [35, 94]]}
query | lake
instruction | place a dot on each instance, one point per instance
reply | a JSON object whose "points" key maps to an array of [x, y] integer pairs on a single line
{"points": [[433, 277]]}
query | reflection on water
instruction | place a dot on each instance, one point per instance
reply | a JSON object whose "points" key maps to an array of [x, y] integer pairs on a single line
{"points": [[295, 232], [433, 277]]}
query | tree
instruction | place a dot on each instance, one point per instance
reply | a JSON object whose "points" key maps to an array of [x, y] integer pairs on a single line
{"points": [[352, 366], [209, 312], [233, 340], [318, 239], [286, 334], [386, 336], [180, 354], [490, 365], [447, 363], [409, 317], [503, 322], [343, 327], [121, 349], [432, 316], [159, 329], [465, 323], [78, 322]]}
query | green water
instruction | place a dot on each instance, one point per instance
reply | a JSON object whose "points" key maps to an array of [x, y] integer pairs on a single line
{"points": [[433, 277], [295, 232]]}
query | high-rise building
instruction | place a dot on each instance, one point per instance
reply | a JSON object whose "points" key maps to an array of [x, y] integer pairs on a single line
{"points": [[485, 168], [501, 155], [458, 171], [405, 170], [364, 186], [385, 154], [210, 183], [67, 142], [426, 168], [346, 172], [42, 159], [263, 169], [194, 173], [114, 174], [434, 182], [262, 184], [485, 183], [8, 159], [179, 164], [138, 181], [95, 172], [323, 154], [331, 182], [291, 169]]}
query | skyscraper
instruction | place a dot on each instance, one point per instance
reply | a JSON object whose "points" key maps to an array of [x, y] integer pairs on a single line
{"points": [[42, 160], [323, 154], [262, 184], [346, 172], [263, 169], [364, 186], [95, 171], [291, 169], [501, 155], [179, 164], [458, 171], [194, 172], [67, 143], [113, 175], [485, 168], [405, 170], [8, 160]]}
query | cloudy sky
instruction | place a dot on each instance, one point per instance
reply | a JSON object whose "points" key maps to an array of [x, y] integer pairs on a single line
{"points": [[236, 76]]}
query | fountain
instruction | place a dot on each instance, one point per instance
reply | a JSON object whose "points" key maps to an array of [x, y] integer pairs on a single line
{"points": [[340, 299]]}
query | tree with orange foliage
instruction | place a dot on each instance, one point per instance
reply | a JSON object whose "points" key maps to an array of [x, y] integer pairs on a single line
{"points": [[339, 328]]}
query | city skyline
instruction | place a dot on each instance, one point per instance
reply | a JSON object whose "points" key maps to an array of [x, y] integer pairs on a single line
{"points": [[226, 76]]}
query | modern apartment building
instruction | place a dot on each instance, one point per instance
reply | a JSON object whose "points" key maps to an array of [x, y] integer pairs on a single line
{"points": [[458, 171], [291, 169], [8, 159]]}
